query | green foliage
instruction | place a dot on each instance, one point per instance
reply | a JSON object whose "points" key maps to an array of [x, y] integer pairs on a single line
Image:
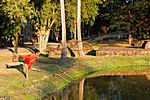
{"points": [[46, 13], [15, 12], [89, 10], [43, 13], [71, 13], [130, 15]]}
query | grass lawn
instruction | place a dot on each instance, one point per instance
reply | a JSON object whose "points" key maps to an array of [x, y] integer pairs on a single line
{"points": [[53, 74], [49, 75]]}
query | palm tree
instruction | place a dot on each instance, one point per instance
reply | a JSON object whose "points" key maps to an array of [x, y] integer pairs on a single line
{"points": [[80, 46], [64, 43]]}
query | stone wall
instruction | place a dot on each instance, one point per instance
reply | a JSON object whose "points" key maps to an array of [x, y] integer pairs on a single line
{"points": [[122, 51], [54, 49]]}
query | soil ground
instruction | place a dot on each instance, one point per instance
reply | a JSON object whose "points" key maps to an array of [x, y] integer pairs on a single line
{"points": [[6, 58]]}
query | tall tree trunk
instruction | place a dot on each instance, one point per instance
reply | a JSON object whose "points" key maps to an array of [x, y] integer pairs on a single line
{"points": [[75, 30], [40, 41], [81, 88], [80, 46], [64, 43], [16, 39], [43, 36], [130, 39], [88, 31], [47, 33]]}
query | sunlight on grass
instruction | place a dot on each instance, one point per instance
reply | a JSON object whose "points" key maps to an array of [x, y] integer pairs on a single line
{"points": [[55, 74]]}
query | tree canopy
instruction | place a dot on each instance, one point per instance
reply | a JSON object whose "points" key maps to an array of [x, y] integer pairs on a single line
{"points": [[129, 15], [15, 12]]}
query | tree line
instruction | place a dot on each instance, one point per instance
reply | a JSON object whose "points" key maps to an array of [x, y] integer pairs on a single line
{"points": [[40, 17]]}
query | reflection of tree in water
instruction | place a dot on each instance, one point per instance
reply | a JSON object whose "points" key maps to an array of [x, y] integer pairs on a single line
{"points": [[118, 88], [90, 93], [113, 92], [73, 92], [112, 88]]}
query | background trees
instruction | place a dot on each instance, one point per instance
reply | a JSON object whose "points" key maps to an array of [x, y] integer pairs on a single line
{"points": [[130, 16], [47, 13], [89, 11], [14, 13]]}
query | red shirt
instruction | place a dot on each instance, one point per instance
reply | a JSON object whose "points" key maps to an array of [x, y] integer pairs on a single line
{"points": [[29, 59]]}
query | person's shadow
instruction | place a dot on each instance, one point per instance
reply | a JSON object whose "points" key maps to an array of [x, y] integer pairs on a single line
{"points": [[19, 67]]}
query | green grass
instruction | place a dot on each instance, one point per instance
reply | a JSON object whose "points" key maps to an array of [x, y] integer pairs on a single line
{"points": [[51, 79]]}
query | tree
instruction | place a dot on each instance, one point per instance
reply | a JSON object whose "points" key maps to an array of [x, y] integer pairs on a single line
{"points": [[77, 14], [89, 11], [16, 12], [3, 26], [80, 46], [64, 44], [130, 15], [71, 16], [46, 15]]}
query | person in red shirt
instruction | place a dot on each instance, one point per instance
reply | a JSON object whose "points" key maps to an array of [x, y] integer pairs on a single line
{"points": [[28, 60]]}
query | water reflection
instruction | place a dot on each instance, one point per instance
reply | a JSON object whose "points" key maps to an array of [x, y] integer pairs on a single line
{"points": [[109, 88], [119, 88]]}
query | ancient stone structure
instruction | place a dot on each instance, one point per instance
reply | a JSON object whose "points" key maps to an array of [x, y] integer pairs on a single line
{"points": [[146, 45], [122, 51], [54, 49], [143, 44]]}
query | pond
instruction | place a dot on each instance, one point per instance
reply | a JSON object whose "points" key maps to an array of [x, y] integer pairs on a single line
{"points": [[136, 87], [117, 88]]}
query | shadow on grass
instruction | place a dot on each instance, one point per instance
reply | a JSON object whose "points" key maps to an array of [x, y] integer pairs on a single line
{"points": [[53, 65], [43, 55], [20, 68], [63, 66], [93, 53]]}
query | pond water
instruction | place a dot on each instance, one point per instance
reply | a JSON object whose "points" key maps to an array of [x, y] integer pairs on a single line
{"points": [[117, 88], [109, 88]]}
